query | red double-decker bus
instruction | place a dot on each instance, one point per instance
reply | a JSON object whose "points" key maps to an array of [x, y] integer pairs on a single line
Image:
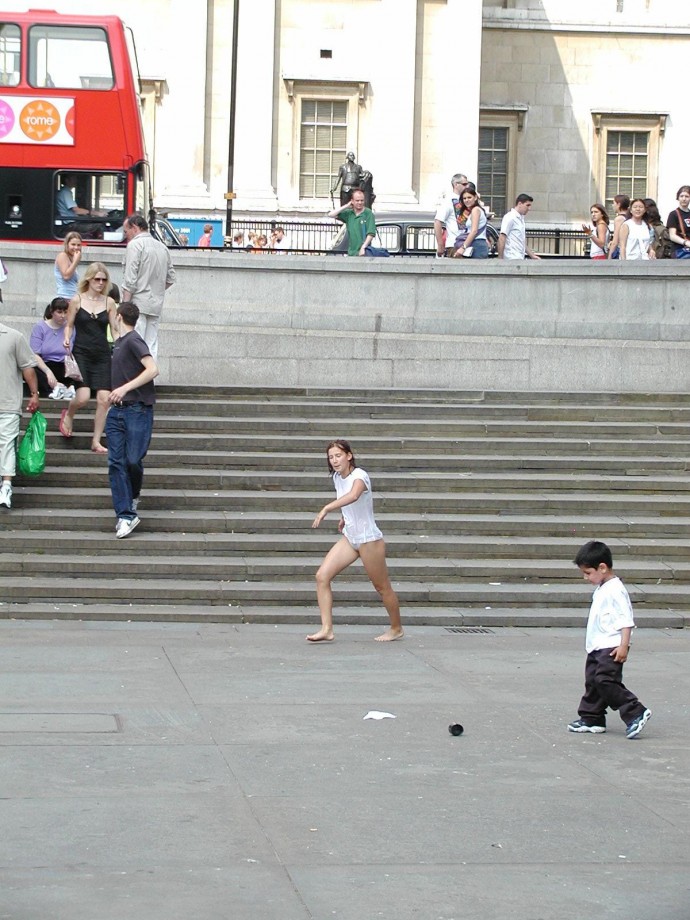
{"points": [[72, 153]]}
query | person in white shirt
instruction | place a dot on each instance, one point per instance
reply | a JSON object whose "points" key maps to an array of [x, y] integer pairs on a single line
{"points": [[512, 240], [607, 643], [636, 236], [17, 361], [361, 539], [450, 219]]}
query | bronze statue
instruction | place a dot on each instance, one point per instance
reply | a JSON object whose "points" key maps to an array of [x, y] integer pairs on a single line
{"points": [[352, 177]]}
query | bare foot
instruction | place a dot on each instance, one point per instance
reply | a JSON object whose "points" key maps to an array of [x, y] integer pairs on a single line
{"points": [[323, 635], [99, 449], [65, 424], [391, 635]]}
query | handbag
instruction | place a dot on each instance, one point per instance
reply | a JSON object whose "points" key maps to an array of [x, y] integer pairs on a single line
{"points": [[31, 457], [72, 368]]}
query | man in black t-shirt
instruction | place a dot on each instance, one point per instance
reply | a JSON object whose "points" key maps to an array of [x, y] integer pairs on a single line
{"points": [[678, 223], [129, 424]]}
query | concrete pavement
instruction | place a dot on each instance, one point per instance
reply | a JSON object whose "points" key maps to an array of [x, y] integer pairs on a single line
{"points": [[225, 772]]}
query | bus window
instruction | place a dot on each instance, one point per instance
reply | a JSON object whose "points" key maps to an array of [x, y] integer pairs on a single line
{"points": [[92, 203], [10, 46], [69, 57]]}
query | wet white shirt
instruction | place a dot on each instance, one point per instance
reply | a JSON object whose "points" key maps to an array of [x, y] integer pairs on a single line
{"points": [[360, 526]]}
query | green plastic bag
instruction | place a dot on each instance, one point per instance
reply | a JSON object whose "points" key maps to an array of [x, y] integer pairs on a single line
{"points": [[31, 458]]}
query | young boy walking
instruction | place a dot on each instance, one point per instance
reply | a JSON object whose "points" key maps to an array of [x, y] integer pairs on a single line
{"points": [[129, 424], [607, 643]]}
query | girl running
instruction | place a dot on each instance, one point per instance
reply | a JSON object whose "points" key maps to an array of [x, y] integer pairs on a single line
{"points": [[361, 538]]}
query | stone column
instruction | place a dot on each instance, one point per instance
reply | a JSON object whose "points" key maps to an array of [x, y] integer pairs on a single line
{"points": [[389, 110], [254, 115], [460, 128]]}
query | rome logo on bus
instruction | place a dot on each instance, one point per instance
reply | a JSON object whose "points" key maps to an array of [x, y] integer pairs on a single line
{"points": [[35, 120], [40, 120]]}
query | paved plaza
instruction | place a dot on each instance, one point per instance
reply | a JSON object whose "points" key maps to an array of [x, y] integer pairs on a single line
{"points": [[226, 772]]}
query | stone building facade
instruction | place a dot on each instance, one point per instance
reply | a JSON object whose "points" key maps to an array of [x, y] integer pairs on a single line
{"points": [[583, 100], [570, 102]]}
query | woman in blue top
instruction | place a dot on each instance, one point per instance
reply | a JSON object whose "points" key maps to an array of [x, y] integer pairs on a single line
{"points": [[66, 264], [476, 226], [361, 539]]}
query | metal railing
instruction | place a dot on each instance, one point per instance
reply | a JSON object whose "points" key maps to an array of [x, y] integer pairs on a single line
{"points": [[563, 244], [259, 236], [402, 238]]}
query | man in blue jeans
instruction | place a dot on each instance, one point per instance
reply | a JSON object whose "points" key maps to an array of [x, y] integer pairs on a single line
{"points": [[129, 423]]}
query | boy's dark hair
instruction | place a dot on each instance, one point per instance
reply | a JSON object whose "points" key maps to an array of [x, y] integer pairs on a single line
{"points": [[129, 312], [592, 554], [521, 199], [114, 293], [683, 188]]}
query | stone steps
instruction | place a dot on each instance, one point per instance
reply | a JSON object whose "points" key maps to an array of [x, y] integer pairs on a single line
{"points": [[616, 464], [404, 547], [306, 425], [70, 523], [449, 616], [187, 590], [437, 504], [484, 498], [447, 482], [285, 565]]}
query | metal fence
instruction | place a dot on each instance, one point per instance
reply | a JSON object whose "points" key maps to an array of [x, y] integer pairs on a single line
{"points": [[261, 236], [563, 244], [400, 238]]}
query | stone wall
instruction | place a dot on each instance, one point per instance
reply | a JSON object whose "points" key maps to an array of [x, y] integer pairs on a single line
{"points": [[236, 318]]}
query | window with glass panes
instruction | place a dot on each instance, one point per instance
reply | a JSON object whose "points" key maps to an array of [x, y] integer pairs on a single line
{"points": [[492, 177], [323, 139], [627, 165]]}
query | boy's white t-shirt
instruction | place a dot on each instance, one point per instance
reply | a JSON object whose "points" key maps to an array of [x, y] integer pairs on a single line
{"points": [[360, 526], [610, 612]]}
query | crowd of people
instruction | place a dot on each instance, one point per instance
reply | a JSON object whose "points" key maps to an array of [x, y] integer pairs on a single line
{"points": [[640, 233], [94, 341], [255, 241], [636, 231]]}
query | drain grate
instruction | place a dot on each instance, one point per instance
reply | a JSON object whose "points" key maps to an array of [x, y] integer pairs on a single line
{"points": [[482, 630]]}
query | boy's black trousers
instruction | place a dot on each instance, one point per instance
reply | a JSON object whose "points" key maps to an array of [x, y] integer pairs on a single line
{"points": [[604, 689]]}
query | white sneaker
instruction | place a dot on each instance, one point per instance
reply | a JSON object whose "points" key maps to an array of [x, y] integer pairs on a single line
{"points": [[68, 393], [58, 392], [6, 494], [124, 527]]}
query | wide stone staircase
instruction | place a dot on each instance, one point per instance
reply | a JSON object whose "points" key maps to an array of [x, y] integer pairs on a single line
{"points": [[483, 497]]}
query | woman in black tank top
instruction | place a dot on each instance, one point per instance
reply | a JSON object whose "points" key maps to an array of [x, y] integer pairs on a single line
{"points": [[91, 312]]}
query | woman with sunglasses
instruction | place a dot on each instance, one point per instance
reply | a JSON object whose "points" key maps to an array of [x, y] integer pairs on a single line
{"points": [[90, 313], [48, 348]]}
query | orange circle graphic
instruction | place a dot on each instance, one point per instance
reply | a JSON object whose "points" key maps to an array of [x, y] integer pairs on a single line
{"points": [[39, 120], [69, 122]]}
